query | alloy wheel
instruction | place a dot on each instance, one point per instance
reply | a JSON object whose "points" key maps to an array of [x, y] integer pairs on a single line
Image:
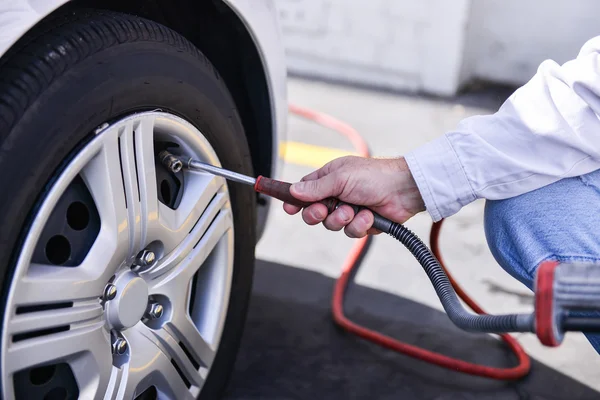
{"points": [[121, 287]]}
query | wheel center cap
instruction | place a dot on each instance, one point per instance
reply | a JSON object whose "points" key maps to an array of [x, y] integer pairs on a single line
{"points": [[129, 305]]}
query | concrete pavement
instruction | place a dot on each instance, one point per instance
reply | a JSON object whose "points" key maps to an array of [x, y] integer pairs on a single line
{"points": [[290, 341]]}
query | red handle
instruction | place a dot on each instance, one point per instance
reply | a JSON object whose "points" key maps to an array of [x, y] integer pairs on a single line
{"points": [[544, 304], [281, 190]]}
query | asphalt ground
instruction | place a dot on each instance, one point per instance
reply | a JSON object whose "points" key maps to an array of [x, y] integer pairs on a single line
{"points": [[292, 350]]}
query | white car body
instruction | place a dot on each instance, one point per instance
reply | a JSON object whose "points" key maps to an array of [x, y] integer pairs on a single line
{"points": [[259, 17], [142, 310]]}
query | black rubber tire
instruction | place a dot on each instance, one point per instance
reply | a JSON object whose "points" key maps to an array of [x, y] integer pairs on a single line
{"points": [[87, 67]]}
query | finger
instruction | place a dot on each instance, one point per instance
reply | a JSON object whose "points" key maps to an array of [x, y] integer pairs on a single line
{"points": [[324, 170], [373, 231], [312, 176], [317, 189], [360, 224], [339, 218], [290, 209], [314, 214]]}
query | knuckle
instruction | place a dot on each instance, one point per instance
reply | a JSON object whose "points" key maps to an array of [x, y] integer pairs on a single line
{"points": [[347, 159], [333, 222], [351, 232], [312, 185], [331, 226], [343, 214], [340, 181], [357, 228], [290, 209], [367, 218], [314, 214], [307, 217], [317, 212]]}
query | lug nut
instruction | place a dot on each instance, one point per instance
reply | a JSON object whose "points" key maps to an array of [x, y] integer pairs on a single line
{"points": [[119, 346], [149, 257], [110, 291], [143, 260], [154, 311]]}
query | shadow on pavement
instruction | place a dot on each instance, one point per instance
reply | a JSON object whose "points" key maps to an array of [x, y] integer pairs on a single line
{"points": [[292, 350]]}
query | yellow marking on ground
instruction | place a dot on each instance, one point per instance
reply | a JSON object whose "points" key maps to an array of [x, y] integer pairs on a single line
{"points": [[309, 155]]}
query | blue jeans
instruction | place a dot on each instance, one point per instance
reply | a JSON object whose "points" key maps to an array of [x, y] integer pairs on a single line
{"points": [[560, 222]]}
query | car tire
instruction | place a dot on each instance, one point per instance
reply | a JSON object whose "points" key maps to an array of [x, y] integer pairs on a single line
{"points": [[85, 68]]}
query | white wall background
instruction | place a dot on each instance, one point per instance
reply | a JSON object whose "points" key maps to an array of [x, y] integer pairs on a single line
{"points": [[432, 46]]}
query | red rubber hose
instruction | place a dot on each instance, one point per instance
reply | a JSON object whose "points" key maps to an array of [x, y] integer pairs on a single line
{"points": [[352, 263]]}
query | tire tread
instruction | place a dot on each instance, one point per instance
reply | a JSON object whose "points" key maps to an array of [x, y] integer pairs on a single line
{"points": [[26, 75]]}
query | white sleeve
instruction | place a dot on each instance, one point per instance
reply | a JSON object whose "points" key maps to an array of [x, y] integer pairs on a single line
{"points": [[546, 130]]}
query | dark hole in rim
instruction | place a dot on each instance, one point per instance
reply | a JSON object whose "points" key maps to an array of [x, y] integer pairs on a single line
{"points": [[78, 216], [58, 393], [43, 307], [189, 355], [149, 394], [181, 374], [58, 249], [165, 191], [63, 377], [42, 375], [42, 332], [137, 176]]}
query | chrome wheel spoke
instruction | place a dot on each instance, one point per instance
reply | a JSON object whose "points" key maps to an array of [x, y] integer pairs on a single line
{"points": [[182, 328], [117, 383], [178, 275], [151, 366], [103, 177], [221, 226], [121, 178], [198, 198], [172, 346], [63, 317], [94, 370], [49, 285], [193, 250], [62, 346], [146, 182]]}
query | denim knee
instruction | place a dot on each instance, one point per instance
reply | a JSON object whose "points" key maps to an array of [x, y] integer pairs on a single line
{"points": [[499, 219], [559, 221]]}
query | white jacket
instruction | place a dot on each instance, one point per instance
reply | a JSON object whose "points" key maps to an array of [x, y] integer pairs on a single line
{"points": [[547, 130]]}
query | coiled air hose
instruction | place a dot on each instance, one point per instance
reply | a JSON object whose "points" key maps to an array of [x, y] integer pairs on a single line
{"points": [[445, 286], [457, 314]]}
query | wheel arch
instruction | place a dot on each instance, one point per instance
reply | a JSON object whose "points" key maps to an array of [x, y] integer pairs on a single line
{"points": [[211, 25]]}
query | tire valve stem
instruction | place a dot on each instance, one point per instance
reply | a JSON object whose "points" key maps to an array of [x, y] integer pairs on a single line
{"points": [[173, 163], [101, 128]]}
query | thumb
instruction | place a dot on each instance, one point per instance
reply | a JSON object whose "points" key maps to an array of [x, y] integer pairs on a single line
{"points": [[317, 189]]}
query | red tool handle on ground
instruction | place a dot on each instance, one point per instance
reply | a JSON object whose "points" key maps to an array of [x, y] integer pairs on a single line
{"points": [[281, 190]]}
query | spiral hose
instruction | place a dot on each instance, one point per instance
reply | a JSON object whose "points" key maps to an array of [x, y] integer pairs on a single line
{"points": [[456, 312]]}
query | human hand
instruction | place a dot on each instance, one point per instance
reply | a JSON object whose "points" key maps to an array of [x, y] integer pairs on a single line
{"points": [[385, 186]]}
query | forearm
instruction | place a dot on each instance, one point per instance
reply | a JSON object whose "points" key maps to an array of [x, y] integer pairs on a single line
{"points": [[547, 130]]}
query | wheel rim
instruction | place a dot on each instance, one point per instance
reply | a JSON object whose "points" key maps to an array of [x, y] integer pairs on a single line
{"points": [[75, 316]]}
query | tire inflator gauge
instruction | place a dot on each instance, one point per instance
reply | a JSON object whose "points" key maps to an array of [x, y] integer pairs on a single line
{"points": [[563, 291]]}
